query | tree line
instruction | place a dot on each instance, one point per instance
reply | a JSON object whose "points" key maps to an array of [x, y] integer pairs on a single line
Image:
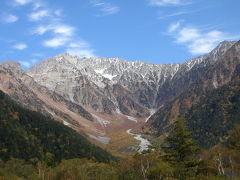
{"points": [[178, 158]]}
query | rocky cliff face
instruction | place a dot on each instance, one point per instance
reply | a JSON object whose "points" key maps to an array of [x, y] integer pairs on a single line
{"points": [[113, 85]]}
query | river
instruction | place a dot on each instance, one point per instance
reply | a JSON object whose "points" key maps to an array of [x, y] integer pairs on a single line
{"points": [[144, 143]]}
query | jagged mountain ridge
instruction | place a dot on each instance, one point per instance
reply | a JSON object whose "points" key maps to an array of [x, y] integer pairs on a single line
{"points": [[94, 82], [105, 96]]}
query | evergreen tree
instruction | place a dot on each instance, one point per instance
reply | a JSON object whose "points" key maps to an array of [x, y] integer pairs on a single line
{"points": [[181, 151]]}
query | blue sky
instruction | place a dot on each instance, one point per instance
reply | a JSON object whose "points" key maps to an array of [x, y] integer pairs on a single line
{"points": [[156, 31]]}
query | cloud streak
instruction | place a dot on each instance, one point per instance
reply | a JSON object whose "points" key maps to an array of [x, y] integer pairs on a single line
{"points": [[168, 2], [105, 8], [81, 49], [37, 5], [56, 42], [178, 13], [20, 46], [55, 28], [10, 18], [174, 26], [61, 34], [21, 2], [196, 40], [39, 15]]}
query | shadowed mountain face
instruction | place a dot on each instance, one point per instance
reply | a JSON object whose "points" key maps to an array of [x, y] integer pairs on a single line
{"points": [[87, 92]]}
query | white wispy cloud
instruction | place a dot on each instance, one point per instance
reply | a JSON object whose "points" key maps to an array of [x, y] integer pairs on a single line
{"points": [[56, 42], [174, 26], [178, 13], [40, 30], [64, 36], [81, 49], [20, 46], [25, 64], [21, 2], [10, 18], [73, 47], [61, 29], [81, 52], [79, 44], [61, 35], [105, 8], [58, 12], [37, 5], [38, 15], [187, 34], [168, 2], [164, 2], [109, 9], [196, 40]]}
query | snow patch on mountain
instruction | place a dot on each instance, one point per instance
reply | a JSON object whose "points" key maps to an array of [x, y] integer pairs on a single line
{"points": [[109, 76], [101, 121], [66, 123], [102, 140], [152, 111], [100, 71], [132, 118]]}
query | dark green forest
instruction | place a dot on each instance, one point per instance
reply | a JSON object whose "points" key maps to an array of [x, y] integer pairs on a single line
{"points": [[30, 136]]}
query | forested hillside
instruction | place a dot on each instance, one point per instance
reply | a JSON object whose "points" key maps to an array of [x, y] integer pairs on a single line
{"points": [[215, 115], [33, 137]]}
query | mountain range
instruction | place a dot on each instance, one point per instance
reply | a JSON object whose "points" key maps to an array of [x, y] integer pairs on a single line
{"points": [[105, 97]]}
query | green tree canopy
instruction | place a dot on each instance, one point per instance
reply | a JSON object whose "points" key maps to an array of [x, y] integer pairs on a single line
{"points": [[180, 150]]}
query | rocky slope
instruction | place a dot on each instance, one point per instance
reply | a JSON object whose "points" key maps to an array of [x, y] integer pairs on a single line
{"points": [[110, 85], [22, 88]]}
